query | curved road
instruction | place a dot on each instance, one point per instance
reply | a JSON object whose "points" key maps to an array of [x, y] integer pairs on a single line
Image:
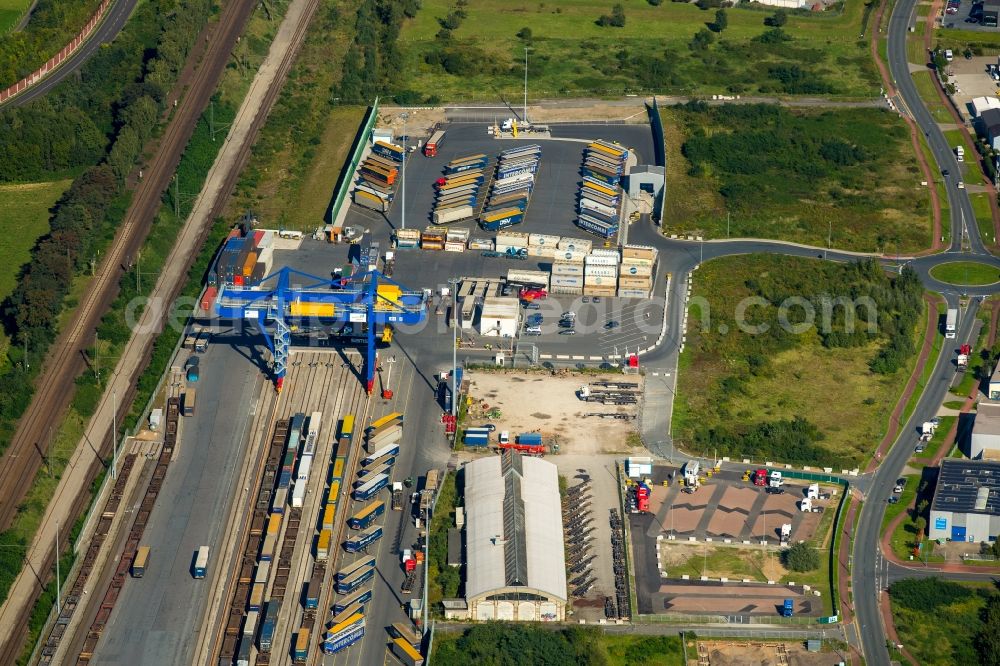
{"points": [[117, 15]]}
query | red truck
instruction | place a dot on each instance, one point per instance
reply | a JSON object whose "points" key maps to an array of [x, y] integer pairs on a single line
{"points": [[433, 144]]}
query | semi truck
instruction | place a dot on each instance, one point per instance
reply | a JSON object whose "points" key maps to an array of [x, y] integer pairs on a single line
{"points": [[360, 542], [344, 634], [354, 581], [200, 562], [951, 324], [364, 518], [433, 144], [359, 598], [370, 487], [397, 496], [387, 450]]}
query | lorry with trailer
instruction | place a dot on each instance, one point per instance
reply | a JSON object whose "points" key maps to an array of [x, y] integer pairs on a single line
{"points": [[433, 144], [962, 362], [200, 562], [355, 581], [363, 519], [960, 153], [951, 323], [397, 496], [359, 599], [360, 542]]}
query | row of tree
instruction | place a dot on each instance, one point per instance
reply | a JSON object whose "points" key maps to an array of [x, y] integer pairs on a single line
{"points": [[372, 65], [120, 115]]}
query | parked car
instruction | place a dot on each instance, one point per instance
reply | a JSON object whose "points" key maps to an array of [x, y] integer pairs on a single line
{"points": [[568, 331], [920, 448], [612, 324], [566, 323], [893, 500], [534, 319], [532, 306], [569, 314]]}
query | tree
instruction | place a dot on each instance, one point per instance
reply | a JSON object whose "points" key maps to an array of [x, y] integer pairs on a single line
{"points": [[995, 548], [615, 20], [776, 20], [655, 3], [701, 40], [721, 21], [987, 639], [525, 34], [801, 557]]}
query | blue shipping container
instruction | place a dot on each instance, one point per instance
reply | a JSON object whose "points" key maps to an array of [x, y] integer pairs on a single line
{"points": [[337, 643], [530, 438]]}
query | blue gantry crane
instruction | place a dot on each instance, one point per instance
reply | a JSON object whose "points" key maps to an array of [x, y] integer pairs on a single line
{"points": [[277, 305]]}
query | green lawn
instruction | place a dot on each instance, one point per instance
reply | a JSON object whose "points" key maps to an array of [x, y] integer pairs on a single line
{"points": [[733, 383], [937, 439], [24, 210], [928, 93], [925, 375], [984, 215], [966, 272], [750, 162], [940, 634], [11, 12], [483, 59]]}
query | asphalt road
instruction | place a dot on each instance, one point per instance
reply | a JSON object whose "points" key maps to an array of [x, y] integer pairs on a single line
{"points": [[109, 28]]}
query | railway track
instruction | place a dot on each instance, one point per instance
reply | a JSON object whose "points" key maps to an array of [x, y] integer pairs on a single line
{"points": [[315, 385], [33, 436]]}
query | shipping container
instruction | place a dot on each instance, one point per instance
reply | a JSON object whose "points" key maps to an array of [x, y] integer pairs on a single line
{"points": [[498, 220], [479, 157], [513, 238], [323, 544], [581, 245], [635, 283], [598, 227], [200, 562], [280, 499], [388, 443], [140, 562], [329, 513], [190, 396], [267, 547], [600, 260], [363, 540], [406, 653], [601, 271], [371, 201], [566, 281], [541, 251], [378, 160], [382, 461], [394, 418], [639, 252], [339, 465], [351, 569], [565, 268], [250, 625], [529, 149], [370, 488], [598, 209], [543, 239], [407, 238], [298, 494], [301, 645], [273, 523], [611, 149], [567, 291], [268, 625], [633, 293], [256, 597], [344, 634], [358, 598], [313, 590], [449, 215], [352, 583], [636, 271], [363, 519], [262, 573], [390, 150], [538, 279]]}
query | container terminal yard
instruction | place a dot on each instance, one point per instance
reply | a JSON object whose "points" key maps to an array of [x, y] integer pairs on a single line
{"points": [[289, 515]]}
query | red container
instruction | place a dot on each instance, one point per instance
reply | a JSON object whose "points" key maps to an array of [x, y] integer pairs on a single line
{"points": [[238, 280], [257, 237], [410, 565], [206, 300]]}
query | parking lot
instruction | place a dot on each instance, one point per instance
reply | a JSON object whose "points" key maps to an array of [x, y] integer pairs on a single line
{"points": [[960, 20]]}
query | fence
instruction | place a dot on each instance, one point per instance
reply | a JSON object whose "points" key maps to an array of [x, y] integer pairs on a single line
{"points": [[347, 175], [58, 58]]}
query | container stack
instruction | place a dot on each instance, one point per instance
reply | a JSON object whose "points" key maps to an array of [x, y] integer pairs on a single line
{"points": [[511, 190], [511, 241], [539, 279], [243, 259], [378, 176], [600, 275], [433, 238], [635, 275], [407, 238], [600, 191], [455, 240], [457, 192], [542, 245], [567, 277]]}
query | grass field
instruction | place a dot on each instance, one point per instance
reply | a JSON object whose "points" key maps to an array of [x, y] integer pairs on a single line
{"points": [[754, 164], [572, 56], [11, 12], [737, 380], [928, 93], [984, 216], [966, 272], [24, 210], [942, 635], [925, 375]]}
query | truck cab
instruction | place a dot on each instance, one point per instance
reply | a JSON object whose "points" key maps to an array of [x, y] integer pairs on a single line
{"points": [[504, 437]]}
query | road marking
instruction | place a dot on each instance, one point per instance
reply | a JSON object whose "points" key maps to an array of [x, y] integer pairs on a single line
{"points": [[545, 356], [579, 358], [595, 358], [562, 355]]}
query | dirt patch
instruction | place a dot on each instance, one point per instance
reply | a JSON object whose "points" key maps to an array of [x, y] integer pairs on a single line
{"points": [[517, 396], [762, 654]]}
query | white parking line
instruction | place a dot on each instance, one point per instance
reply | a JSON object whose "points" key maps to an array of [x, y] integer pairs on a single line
{"points": [[594, 358], [562, 355], [579, 358], [545, 356]]}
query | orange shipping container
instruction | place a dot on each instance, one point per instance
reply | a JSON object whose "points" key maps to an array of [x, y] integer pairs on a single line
{"points": [[249, 264]]}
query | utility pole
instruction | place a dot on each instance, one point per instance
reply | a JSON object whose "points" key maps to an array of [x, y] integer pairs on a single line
{"points": [[177, 197], [97, 357], [406, 159], [454, 346], [138, 271]]}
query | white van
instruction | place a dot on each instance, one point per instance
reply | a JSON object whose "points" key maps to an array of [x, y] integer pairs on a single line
{"points": [[948, 55], [533, 330]]}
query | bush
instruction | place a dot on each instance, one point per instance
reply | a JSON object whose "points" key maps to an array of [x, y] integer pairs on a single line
{"points": [[616, 18], [721, 21], [801, 557], [927, 594], [776, 20], [525, 34]]}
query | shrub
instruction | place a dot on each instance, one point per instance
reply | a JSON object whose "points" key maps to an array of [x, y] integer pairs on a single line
{"points": [[801, 557], [615, 20], [927, 594]]}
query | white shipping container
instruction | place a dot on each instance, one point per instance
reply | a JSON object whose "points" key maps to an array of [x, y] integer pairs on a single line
{"points": [[460, 235], [638, 262], [601, 271], [481, 244], [604, 252], [565, 268], [298, 495], [638, 252], [543, 239], [599, 290], [513, 238], [634, 283], [567, 291], [600, 260], [566, 281], [600, 281], [454, 246], [581, 245], [570, 256], [541, 251], [536, 277], [633, 293], [636, 271], [267, 240]]}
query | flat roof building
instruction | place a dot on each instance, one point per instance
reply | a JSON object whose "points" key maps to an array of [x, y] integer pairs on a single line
{"points": [[515, 561], [984, 444], [966, 504], [499, 317]]}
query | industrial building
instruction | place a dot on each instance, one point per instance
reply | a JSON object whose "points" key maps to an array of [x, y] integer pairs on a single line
{"points": [[515, 563], [985, 441], [993, 392], [499, 317], [966, 503]]}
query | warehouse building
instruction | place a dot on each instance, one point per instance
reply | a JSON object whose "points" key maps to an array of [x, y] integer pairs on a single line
{"points": [[984, 444], [515, 562], [966, 503], [499, 317]]}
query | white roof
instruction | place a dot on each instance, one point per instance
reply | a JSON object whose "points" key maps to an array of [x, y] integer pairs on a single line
{"points": [[530, 553], [980, 104], [499, 307]]}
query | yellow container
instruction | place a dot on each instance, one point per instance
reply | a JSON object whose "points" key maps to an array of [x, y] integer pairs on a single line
{"points": [[307, 309]]}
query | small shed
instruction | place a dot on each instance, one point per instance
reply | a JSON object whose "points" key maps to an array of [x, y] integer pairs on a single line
{"points": [[499, 317], [814, 645], [454, 547]]}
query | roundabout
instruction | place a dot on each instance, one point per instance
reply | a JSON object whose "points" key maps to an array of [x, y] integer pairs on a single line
{"points": [[966, 273]]}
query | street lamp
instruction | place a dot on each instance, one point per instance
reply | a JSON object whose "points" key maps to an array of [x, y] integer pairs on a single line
{"points": [[454, 346]]}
